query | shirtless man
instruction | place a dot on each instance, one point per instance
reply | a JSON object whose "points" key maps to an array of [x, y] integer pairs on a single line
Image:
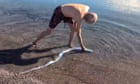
{"points": [[73, 14]]}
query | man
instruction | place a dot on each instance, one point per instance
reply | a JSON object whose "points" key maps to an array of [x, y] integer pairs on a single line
{"points": [[73, 14]]}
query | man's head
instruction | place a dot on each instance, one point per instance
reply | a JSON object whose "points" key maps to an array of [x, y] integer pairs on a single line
{"points": [[91, 17]]}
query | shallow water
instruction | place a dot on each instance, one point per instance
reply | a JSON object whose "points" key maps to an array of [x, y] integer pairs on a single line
{"points": [[116, 35]]}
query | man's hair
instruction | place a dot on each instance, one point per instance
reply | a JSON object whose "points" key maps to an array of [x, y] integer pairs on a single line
{"points": [[92, 16]]}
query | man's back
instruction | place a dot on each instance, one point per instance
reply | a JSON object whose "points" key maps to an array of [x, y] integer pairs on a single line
{"points": [[76, 11]]}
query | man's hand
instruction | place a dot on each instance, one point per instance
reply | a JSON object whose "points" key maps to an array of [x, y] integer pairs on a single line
{"points": [[83, 49]]}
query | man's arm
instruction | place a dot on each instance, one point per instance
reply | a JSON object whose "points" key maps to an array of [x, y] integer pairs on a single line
{"points": [[79, 35]]}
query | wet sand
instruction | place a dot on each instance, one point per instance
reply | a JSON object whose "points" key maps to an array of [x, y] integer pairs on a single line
{"points": [[110, 63]]}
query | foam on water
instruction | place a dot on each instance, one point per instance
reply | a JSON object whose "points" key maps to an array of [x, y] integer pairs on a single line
{"points": [[56, 60]]}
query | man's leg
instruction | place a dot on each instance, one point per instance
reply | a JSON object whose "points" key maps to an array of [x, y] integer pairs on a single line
{"points": [[42, 35], [72, 34]]}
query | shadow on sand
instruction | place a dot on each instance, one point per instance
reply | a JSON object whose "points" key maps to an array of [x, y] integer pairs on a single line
{"points": [[13, 56]]}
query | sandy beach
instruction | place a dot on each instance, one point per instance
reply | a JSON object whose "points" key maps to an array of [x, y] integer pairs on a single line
{"points": [[111, 62]]}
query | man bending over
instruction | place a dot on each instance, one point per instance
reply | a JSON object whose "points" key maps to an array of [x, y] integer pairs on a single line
{"points": [[73, 14]]}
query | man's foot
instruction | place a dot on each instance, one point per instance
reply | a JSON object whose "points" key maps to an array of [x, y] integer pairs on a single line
{"points": [[34, 45], [70, 45]]}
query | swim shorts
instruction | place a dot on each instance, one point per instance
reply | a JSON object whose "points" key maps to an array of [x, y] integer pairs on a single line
{"points": [[57, 17]]}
